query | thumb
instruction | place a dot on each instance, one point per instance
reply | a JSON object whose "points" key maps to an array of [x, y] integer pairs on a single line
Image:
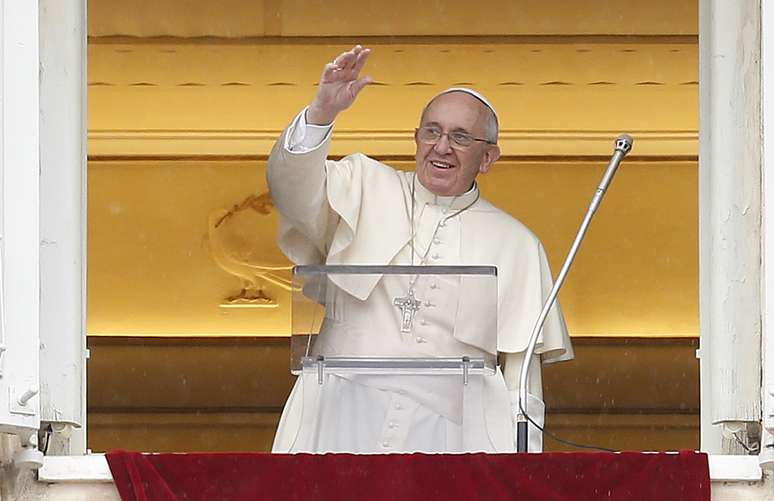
{"points": [[359, 84]]}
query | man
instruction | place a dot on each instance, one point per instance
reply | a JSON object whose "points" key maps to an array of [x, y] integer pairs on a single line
{"points": [[359, 211]]}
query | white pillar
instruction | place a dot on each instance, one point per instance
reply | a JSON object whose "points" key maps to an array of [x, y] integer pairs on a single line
{"points": [[729, 220], [63, 222], [767, 94], [19, 238]]}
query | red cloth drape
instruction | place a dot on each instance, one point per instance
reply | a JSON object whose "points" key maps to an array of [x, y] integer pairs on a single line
{"points": [[548, 476]]}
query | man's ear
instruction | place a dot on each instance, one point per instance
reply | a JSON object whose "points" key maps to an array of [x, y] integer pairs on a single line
{"points": [[490, 156]]}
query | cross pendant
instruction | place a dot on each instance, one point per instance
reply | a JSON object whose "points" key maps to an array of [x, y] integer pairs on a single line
{"points": [[408, 307]]}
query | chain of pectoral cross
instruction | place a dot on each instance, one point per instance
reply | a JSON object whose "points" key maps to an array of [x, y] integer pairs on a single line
{"points": [[409, 305]]}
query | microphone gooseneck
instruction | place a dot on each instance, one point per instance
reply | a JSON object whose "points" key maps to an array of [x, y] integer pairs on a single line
{"points": [[623, 145]]}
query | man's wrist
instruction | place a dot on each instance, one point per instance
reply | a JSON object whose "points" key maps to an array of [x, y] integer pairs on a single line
{"points": [[315, 116]]}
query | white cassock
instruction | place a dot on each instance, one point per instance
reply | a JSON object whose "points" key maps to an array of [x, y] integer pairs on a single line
{"points": [[358, 211]]}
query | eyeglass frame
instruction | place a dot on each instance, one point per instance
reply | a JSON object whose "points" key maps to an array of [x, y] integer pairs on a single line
{"points": [[455, 145]]}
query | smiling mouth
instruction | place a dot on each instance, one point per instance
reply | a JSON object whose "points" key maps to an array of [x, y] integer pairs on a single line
{"points": [[441, 165]]}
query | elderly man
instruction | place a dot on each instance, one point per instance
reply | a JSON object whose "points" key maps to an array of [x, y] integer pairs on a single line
{"points": [[360, 211]]}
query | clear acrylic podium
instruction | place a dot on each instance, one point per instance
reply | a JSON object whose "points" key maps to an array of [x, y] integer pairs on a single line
{"points": [[363, 336]]}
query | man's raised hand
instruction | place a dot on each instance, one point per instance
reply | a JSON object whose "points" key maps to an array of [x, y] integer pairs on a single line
{"points": [[340, 84]]}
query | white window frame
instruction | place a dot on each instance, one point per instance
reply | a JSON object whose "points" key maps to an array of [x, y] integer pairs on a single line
{"points": [[20, 235], [19, 168], [767, 112]]}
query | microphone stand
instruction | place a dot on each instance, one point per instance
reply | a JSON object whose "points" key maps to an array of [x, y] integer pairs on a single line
{"points": [[623, 144]]}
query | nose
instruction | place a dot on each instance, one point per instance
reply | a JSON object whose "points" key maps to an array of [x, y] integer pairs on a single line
{"points": [[443, 146]]}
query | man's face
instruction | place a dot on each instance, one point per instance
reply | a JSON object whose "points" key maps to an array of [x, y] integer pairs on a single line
{"points": [[448, 171]]}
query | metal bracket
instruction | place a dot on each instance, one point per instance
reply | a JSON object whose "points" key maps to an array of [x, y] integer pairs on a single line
{"points": [[19, 402], [465, 366]]}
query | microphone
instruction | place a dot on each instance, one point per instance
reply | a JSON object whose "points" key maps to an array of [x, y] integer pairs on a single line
{"points": [[623, 145]]}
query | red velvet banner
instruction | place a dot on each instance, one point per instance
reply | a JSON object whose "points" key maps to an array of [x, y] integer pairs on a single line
{"points": [[548, 476]]}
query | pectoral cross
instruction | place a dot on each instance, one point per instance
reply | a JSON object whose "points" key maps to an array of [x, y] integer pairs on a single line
{"points": [[408, 306]]}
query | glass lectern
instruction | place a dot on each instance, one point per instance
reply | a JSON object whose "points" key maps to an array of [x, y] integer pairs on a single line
{"points": [[370, 341]]}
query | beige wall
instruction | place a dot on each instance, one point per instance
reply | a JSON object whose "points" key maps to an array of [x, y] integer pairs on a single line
{"points": [[151, 271], [259, 18], [179, 130], [554, 97]]}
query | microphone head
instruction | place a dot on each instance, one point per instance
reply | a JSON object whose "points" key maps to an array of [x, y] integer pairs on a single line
{"points": [[623, 143]]}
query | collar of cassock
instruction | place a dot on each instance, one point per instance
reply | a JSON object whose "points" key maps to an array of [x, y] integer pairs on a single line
{"points": [[424, 196]]}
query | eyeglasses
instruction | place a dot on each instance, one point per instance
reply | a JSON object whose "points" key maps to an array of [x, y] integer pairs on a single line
{"points": [[457, 140]]}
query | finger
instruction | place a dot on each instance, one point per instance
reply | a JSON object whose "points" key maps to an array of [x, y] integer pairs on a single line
{"points": [[359, 84], [346, 54], [346, 60], [328, 72], [361, 60], [357, 49], [342, 66]]}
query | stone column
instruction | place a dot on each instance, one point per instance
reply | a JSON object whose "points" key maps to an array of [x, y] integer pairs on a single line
{"points": [[767, 93], [730, 223], [63, 223]]}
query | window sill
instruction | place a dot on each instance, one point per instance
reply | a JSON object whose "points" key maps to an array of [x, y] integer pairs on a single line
{"points": [[93, 468]]}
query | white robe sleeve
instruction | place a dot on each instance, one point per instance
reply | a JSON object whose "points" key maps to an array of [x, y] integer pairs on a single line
{"points": [[303, 137], [322, 203], [297, 183]]}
